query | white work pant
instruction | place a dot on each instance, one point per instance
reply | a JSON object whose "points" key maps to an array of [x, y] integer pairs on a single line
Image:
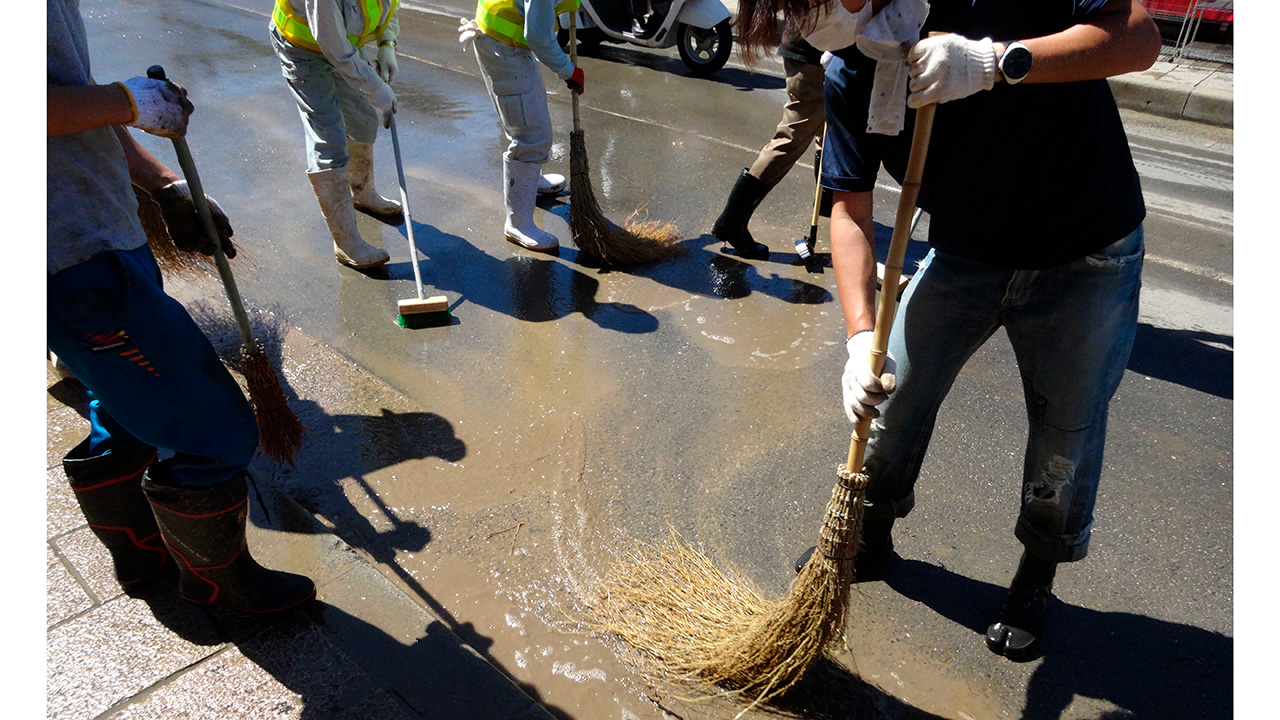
{"points": [[331, 109], [514, 79]]}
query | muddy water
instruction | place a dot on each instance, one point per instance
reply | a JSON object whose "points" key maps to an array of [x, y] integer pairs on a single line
{"points": [[501, 485]]}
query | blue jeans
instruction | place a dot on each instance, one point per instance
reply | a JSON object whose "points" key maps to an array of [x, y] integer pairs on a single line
{"points": [[331, 109], [153, 377], [1071, 328]]}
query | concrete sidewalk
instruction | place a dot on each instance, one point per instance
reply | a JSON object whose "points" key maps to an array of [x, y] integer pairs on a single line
{"points": [[1196, 91], [366, 650]]}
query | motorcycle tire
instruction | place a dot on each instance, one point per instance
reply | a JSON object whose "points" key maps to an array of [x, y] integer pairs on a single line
{"points": [[705, 51]]}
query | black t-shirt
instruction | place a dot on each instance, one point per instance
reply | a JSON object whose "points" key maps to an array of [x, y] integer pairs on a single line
{"points": [[1029, 175]]}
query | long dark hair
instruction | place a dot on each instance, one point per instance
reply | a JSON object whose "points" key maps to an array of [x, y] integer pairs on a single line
{"points": [[765, 24]]}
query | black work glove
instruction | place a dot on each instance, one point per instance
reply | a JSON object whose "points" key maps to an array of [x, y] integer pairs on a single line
{"points": [[183, 223]]}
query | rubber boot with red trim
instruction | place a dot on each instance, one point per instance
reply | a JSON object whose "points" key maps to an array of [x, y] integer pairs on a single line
{"points": [[108, 488], [204, 529]]}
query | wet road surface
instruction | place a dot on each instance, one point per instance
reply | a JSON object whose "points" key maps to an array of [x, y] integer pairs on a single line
{"points": [[569, 410]]}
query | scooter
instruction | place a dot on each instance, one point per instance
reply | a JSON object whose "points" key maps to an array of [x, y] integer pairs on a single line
{"points": [[700, 29]]}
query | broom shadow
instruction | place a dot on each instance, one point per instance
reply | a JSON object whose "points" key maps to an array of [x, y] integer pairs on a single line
{"points": [[523, 285], [1152, 669]]}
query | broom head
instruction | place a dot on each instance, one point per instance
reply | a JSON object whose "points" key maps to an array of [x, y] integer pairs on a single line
{"points": [[692, 622], [639, 242], [279, 429]]}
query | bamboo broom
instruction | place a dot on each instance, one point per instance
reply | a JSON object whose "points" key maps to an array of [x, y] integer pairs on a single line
{"points": [[690, 621], [638, 242], [279, 429]]}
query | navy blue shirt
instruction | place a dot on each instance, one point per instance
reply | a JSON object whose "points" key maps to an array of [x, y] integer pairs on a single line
{"points": [[1026, 176], [1031, 175]]}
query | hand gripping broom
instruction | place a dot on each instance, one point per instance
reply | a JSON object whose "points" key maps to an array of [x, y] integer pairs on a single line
{"points": [[694, 623], [639, 242], [279, 429]]}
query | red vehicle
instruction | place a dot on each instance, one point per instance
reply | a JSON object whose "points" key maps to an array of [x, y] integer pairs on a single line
{"points": [[1217, 16]]}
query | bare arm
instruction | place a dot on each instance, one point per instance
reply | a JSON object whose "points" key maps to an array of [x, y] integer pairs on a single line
{"points": [[145, 170], [76, 108], [1121, 39], [853, 259]]}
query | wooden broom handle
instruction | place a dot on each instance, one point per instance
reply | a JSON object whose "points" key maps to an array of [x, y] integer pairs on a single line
{"points": [[887, 306], [573, 58]]}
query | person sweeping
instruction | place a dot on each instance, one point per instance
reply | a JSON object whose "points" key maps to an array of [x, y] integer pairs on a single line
{"points": [[1035, 228], [510, 38], [156, 384], [339, 59]]}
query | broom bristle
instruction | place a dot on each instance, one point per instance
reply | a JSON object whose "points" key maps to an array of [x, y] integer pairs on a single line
{"points": [[692, 622], [172, 261], [279, 429], [638, 242]]}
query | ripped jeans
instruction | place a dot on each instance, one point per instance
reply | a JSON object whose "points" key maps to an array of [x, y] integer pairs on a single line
{"points": [[1071, 328]]}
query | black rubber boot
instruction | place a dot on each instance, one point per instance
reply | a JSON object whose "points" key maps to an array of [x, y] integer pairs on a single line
{"points": [[1016, 635], [109, 490], [731, 226], [875, 544], [205, 531]]}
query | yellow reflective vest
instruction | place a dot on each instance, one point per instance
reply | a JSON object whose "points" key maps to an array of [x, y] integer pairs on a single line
{"points": [[294, 26], [500, 20]]}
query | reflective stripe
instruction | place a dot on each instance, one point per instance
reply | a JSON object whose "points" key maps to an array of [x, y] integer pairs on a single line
{"points": [[294, 27], [500, 20]]}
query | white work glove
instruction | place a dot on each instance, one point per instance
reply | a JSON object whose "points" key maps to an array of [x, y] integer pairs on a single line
{"points": [[863, 391], [949, 67], [386, 63], [468, 28], [160, 107], [384, 101]]}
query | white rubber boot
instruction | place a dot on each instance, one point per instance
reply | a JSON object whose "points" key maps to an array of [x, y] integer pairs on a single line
{"points": [[520, 194], [334, 194], [363, 193], [552, 184]]}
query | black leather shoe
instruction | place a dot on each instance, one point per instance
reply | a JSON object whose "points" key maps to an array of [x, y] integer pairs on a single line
{"points": [[1017, 633], [1022, 621]]}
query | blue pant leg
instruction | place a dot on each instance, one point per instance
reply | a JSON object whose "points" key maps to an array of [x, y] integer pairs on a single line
{"points": [[1072, 334], [950, 308], [149, 366]]}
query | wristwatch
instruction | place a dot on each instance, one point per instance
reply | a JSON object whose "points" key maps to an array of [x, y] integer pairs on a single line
{"points": [[1015, 62], [387, 43]]}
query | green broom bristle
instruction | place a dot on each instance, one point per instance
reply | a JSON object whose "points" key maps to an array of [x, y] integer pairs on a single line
{"points": [[415, 321]]}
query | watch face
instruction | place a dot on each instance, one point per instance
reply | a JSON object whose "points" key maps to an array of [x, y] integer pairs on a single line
{"points": [[1016, 62]]}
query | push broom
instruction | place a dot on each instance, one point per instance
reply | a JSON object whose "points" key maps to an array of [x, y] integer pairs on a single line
{"points": [[639, 242], [692, 622], [279, 429], [421, 311]]}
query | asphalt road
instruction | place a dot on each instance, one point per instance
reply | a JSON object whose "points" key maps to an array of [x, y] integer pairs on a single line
{"points": [[703, 393]]}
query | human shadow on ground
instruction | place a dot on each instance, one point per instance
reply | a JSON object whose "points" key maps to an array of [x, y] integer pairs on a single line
{"points": [[742, 79], [435, 668], [341, 665], [1185, 357], [527, 286], [1152, 669]]}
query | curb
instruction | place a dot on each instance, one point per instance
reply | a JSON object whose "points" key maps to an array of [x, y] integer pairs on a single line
{"points": [[1212, 105]]}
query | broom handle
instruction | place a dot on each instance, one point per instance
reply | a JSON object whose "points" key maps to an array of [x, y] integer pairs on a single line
{"points": [[188, 164], [573, 58], [404, 204], [888, 304]]}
